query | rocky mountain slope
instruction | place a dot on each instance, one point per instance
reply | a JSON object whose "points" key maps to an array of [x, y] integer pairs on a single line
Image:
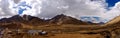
{"points": [[58, 20], [66, 25], [63, 19], [114, 21]]}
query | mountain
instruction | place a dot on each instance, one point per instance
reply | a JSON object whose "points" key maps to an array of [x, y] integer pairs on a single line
{"points": [[16, 18], [34, 20], [115, 21], [31, 20], [63, 19], [93, 19], [26, 19]]}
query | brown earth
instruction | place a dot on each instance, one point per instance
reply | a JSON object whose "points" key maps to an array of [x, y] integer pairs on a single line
{"points": [[108, 30]]}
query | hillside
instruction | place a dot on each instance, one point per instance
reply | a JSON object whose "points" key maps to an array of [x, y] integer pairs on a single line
{"points": [[65, 27], [116, 20], [63, 19], [57, 20]]}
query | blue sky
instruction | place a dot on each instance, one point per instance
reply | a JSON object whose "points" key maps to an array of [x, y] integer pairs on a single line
{"points": [[23, 4], [111, 3]]}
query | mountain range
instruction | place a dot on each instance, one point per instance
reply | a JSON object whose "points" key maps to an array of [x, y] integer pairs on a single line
{"points": [[32, 20]]}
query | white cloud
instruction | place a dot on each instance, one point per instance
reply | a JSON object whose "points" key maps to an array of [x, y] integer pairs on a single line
{"points": [[113, 12], [74, 8], [5, 8], [16, 1], [36, 7], [50, 8]]}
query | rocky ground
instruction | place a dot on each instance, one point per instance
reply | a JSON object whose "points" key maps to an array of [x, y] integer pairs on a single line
{"points": [[63, 31], [60, 26]]}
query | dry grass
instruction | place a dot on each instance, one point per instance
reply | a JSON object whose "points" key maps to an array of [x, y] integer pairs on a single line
{"points": [[63, 35], [70, 31], [76, 36]]}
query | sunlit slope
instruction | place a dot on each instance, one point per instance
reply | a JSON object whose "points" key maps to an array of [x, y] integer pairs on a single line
{"points": [[113, 21]]}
